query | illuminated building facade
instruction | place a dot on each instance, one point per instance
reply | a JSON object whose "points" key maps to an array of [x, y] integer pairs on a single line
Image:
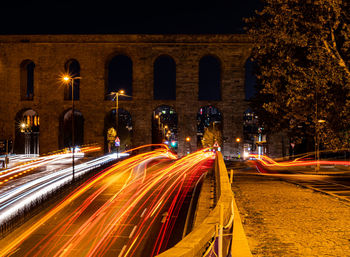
{"points": [[31, 65]]}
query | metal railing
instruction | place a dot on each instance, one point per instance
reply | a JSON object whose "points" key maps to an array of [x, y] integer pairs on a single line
{"points": [[213, 236]]}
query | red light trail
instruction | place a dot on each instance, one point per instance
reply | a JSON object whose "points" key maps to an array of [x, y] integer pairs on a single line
{"points": [[267, 162], [120, 205]]}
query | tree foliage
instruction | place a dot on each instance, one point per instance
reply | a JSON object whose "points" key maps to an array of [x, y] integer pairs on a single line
{"points": [[302, 56], [211, 135]]}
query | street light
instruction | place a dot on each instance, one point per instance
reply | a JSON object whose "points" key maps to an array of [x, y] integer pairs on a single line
{"points": [[116, 95], [158, 118], [317, 157], [188, 145], [317, 128], [66, 79], [165, 130]]}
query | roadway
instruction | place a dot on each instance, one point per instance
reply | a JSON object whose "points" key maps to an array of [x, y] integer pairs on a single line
{"points": [[128, 209]]}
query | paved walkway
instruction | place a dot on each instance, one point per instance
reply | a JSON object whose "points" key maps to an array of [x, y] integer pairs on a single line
{"points": [[283, 219]]}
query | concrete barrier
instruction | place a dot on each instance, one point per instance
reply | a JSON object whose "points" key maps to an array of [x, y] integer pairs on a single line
{"points": [[197, 241]]}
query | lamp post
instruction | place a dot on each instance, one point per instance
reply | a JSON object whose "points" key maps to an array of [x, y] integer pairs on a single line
{"points": [[158, 118], [188, 146], [165, 131], [317, 166], [159, 132], [116, 95], [317, 136], [67, 79]]}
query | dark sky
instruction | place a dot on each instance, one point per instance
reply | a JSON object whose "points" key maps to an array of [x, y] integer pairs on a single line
{"points": [[53, 17], [127, 17]]}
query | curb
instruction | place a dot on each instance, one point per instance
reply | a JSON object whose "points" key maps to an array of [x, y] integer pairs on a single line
{"points": [[240, 246]]}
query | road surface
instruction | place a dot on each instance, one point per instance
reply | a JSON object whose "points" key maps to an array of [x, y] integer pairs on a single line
{"points": [[129, 209]]}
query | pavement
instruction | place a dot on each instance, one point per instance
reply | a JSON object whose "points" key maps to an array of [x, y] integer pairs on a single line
{"points": [[283, 219]]}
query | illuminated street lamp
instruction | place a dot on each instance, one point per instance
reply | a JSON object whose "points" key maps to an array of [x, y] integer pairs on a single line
{"points": [[168, 134], [165, 131], [66, 79], [23, 126], [188, 145], [158, 118], [317, 157]]}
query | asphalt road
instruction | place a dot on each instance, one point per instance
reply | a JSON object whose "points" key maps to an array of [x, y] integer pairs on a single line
{"points": [[129, 209]]}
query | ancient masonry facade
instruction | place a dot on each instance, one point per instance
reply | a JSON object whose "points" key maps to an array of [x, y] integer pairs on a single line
{"points": [[51, 52]]}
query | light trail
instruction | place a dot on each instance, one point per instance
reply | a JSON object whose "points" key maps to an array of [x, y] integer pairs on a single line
{"points": [[131, 196], [7, 175], [268, 162], [18, 198]]}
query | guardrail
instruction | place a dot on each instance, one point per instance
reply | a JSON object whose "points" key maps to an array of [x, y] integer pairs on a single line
{"points": [[216, 230]]}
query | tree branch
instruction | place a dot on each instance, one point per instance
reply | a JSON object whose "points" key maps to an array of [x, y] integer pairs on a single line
{"points": [[335, 54]]}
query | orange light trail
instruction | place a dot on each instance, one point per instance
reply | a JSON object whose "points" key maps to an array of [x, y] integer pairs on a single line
{"points": [[130, 195], [27, 167], [268, 162]]}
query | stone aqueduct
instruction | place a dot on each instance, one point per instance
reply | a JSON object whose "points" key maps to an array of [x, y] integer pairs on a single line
{"points": [[51, 52]]}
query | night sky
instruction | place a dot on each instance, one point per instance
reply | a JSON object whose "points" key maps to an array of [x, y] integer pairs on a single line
{"points": [[128, 17], [117, 17]]}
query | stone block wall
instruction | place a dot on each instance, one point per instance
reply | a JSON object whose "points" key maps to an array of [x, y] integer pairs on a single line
{"points": [[51, 52]]}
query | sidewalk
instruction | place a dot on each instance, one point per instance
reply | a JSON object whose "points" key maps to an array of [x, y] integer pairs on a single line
{"points": [[282, 219]]}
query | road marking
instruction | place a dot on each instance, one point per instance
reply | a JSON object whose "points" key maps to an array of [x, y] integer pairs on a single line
{"points": [[132, 231], [165, 215], [154, 209], [66, 249], [143, 213], [122, 251]]}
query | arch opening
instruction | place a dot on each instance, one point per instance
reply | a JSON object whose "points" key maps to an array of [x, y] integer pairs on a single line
{"points": [[66, 128], [209, 82], [209, 127], [27, 131], [164, 126], [123, 122], [119, 77], [164, 69], [250, 79], [27, 80]]}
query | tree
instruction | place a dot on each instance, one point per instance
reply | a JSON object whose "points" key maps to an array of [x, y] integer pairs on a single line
{"points": [[302, 55], [211, 135]]}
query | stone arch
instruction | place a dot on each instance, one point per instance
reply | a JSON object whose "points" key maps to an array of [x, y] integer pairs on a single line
{"points": [[119, 76], [27, 80], [27, 131], [209, 117], [164, 78], [209, 78], [250, 79], [164, 126], [72, 68], [124, 131], [65, 132]]}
